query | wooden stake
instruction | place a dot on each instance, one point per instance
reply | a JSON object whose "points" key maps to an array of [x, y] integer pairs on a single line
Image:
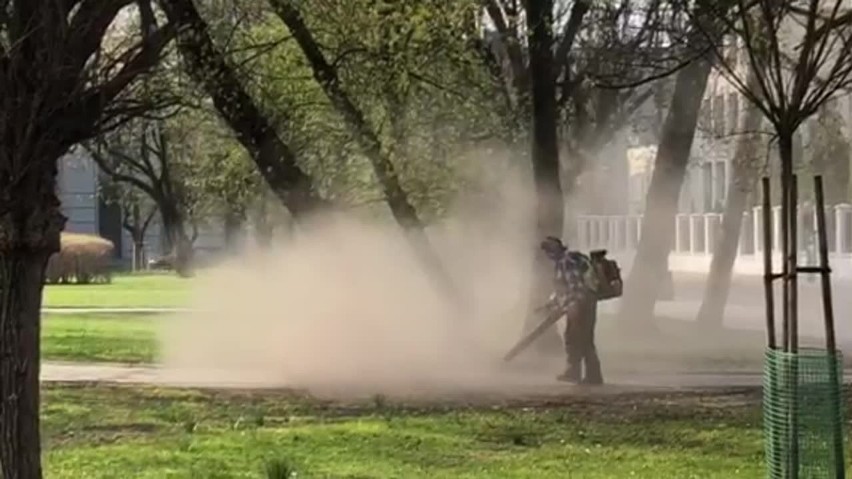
{"points": [[794, 265], [792, 316], [828, 316], [785, 263], [825, 273], [768, 274]]}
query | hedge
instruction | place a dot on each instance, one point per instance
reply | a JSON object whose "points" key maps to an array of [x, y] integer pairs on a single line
{"points": [[82, 259]]}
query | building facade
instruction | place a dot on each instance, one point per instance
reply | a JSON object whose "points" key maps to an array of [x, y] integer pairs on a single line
{"points": [[78, 190], [706, 187]]}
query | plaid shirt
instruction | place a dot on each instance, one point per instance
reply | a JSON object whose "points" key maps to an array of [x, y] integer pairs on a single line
{"points": [[570, 285]]}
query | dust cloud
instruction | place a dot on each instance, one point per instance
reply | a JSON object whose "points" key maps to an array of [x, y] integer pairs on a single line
{"points": [[345, 303]]}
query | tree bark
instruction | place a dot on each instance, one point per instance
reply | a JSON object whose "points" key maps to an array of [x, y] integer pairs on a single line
{"points": [[837, 180], [232, 225], [743, 179], [179, 242], [657, 235], [545, 157], [28, 237], [50, 101], [21, 287], [831, 155], [711, 313], [545, 147], [138, 253], [263, 227]]}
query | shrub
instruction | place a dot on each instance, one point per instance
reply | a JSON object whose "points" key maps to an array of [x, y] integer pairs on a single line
{"points": [[83, 259], [281, 468]]}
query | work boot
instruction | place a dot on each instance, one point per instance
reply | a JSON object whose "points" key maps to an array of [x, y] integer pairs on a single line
{"points": [[593, 368], [569, 376], [592, 381]]}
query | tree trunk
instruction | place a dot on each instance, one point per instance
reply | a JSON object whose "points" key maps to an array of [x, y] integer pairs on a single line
{"points": [[29, 235], [743, 179], [830, 154], [139, 252], [233, 225], [263, 227], [711, 313], [545, 147], [179, 242], [545, 157], [837, 179], [21, 288], [657, 235]]}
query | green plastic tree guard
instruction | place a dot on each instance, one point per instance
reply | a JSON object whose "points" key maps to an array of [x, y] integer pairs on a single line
{"points": [[809, 385]]}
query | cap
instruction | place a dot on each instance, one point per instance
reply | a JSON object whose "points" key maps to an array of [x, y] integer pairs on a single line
{"points": [[552, 244]]}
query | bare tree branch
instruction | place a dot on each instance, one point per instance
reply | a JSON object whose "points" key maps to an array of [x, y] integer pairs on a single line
{"points": [[88, 26], [653, 77], [572, 27], [106, 166], [94, 101], [510, 42]]}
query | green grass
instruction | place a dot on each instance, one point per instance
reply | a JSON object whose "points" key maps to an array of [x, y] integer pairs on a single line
{"points": [[110, 338], [108, 432], [126, 291]]}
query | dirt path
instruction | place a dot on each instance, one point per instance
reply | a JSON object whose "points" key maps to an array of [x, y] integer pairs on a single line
{"points": [[514, 387]]}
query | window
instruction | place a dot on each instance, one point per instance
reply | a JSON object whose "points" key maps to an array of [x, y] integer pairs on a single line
{"points": [[719, 115], [733, 113], [721, 189], [706, 112], [733, 50], [707, 183]]}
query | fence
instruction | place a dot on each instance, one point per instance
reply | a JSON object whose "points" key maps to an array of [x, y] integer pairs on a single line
{"points": [[698, 235]]}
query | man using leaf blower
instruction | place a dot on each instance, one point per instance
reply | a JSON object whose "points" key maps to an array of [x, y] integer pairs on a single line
{"points": [[579, 283], [575, 287]]}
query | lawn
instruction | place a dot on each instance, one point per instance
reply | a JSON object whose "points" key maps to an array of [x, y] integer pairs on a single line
{"points": [[126, 291], [133, 338], [102, 337], [131, 432]]}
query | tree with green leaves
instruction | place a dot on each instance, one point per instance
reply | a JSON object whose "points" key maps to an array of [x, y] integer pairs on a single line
{"points": [[402, 129], [224, 177], [208, 65], [406, 24], [160, 159]]}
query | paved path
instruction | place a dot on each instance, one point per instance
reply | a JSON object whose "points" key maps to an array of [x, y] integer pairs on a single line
{"points": [[744, 311], [112, 311], [514, 385], [746, 306]]}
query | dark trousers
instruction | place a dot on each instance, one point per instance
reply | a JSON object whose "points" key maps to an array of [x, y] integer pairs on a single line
{"points": [[580, 346]]}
